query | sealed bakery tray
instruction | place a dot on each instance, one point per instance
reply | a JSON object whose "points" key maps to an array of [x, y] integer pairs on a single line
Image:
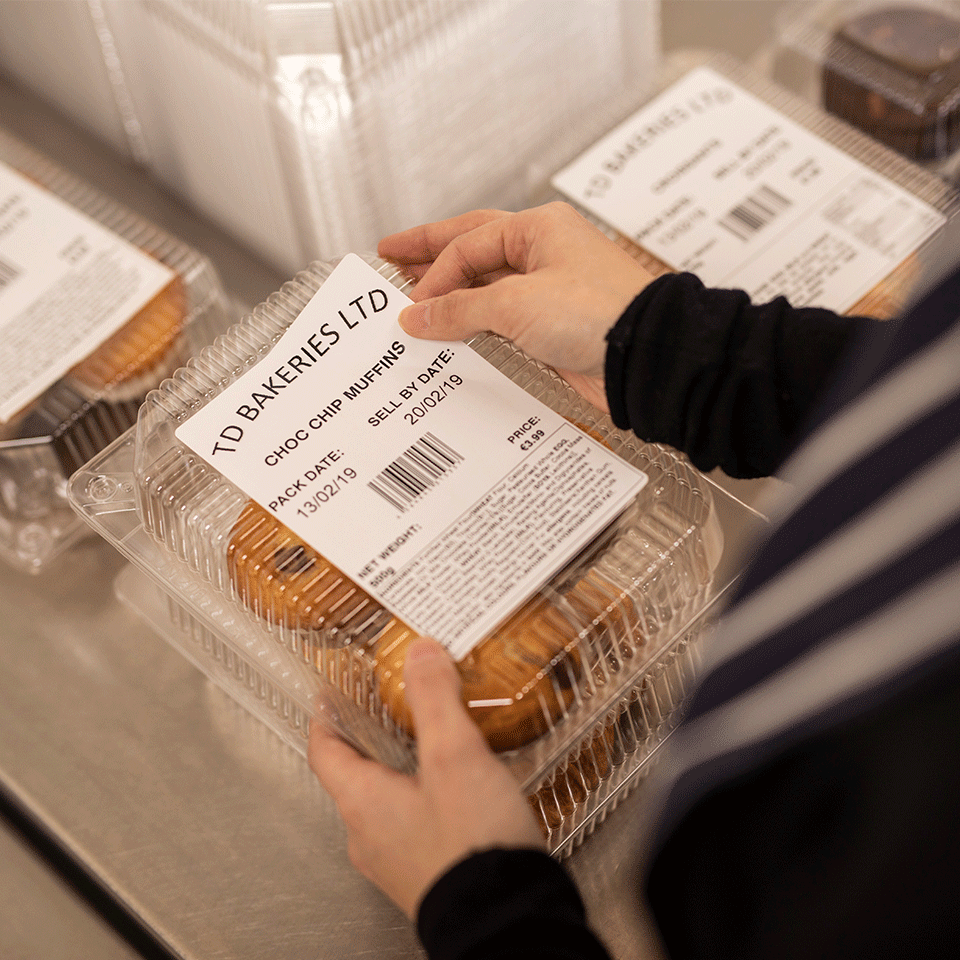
{"points": [[729, 175], [573, 799], [890, 69], [97, 307], [575, 686]]}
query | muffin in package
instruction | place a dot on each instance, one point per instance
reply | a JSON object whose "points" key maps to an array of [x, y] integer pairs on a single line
{"points": [[96, 308], [726, 175], [317, 489], [890, 68]]}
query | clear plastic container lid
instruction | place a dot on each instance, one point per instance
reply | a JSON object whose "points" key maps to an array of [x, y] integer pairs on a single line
{"points": [[326, 107], [83, 78], [352, 127], [97, 307], [748, 185], [545, 681], [278, 689], [891, 69]]}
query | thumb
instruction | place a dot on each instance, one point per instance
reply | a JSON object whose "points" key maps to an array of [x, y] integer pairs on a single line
{"points": [[452, 316], [433, 694]]}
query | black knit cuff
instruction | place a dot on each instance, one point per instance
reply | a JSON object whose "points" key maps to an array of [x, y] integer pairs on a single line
{"points": [[619, 342], [497, 902]]}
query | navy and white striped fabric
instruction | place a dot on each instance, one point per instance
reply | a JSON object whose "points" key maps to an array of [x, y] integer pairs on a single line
{"points": [[856, 595]]}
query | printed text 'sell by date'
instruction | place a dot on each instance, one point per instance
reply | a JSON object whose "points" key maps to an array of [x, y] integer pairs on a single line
{"points": [[526, 437]]}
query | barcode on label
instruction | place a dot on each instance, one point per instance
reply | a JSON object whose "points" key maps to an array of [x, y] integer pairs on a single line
{"points": [[759, 209], [418, 469], [8, 273]]}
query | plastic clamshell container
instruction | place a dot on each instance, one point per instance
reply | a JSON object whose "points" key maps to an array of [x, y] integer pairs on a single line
{"points": [[889, 295], [83, 78], [326, 107], [890, 69], [489, 100], [95, 401], [575, 690]]}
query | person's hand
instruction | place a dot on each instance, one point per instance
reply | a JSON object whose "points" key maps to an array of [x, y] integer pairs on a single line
{"points": [[405, 832], [545, 278]]}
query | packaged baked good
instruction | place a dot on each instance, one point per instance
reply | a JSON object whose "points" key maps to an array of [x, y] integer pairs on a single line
{"points": [[558, 569], [726, 175], [97, 307], [888, 68], [893, 71]]}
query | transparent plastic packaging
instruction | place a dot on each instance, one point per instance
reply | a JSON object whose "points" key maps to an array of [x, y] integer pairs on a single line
{"points": [[575, 689], [83, 77], [477, 81], [890, 294], [200, 85], [97, 399], [890, 69], [342, 121]]}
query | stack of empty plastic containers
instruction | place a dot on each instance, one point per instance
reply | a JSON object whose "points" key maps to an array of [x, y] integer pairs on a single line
{"points": [[728, 175], [313, 127], [97, 306], [63, 51], [317, 489], [890, 68]]}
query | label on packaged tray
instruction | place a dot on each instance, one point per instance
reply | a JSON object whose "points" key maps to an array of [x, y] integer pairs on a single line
{"points": [[67, 283], [441, 487], [713, 180]]}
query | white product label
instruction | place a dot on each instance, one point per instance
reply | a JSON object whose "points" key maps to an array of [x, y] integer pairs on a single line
{"points": [[416, 467], [714, 181], [67, 283]]}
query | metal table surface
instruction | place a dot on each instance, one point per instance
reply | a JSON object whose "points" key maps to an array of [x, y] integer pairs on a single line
{"points": [[200, 823], [42, 916]]}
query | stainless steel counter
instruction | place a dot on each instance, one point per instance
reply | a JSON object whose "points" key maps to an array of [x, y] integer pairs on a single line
{"points": [[199, 822], [43, 916]]}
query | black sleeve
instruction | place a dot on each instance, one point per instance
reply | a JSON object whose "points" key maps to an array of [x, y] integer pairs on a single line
{"points": [[845, 847], [506, 904], [727, 382]]}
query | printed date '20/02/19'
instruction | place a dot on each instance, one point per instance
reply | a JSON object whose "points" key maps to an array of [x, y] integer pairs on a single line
{"points": [[423, 406]]}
